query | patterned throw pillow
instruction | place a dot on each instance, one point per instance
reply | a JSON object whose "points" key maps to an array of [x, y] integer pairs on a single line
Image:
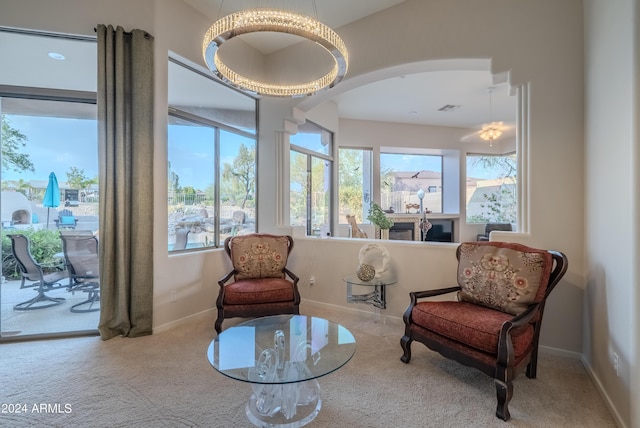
{"points": [[503, 276], [259, 256]]}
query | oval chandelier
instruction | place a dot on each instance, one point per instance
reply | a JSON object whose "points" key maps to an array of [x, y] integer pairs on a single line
{"points": [[279, 21]]}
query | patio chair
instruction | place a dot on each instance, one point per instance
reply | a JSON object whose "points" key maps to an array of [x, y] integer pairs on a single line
{"points": [[260, 285], [30, 270], [66, 220], [81, 257]]}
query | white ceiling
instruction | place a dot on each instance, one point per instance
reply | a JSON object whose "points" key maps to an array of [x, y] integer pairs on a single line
{"points": [[412, 98], [334, 13], [418, 98]]}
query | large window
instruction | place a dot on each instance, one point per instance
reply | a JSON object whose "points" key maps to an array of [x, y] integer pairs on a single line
{"points": [[403, 175], [211, 152], [310, 175], [491, 188], [355, 186]]}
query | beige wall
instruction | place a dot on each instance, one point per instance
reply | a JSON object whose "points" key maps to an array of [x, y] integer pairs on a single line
{"points": [[611, 162], [535, 43]]}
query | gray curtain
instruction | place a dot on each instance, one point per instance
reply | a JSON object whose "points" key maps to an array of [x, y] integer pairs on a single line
{"points": [[125, 122]]}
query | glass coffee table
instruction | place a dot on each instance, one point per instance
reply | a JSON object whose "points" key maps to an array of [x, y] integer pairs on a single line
{"points": [[281, 357]]}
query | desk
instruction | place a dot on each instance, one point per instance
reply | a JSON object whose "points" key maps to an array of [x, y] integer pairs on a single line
{"points": [[281, 357], [377, 297]]}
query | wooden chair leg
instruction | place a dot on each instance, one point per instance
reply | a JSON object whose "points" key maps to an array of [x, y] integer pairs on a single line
{"points": [[218, 324], [532, 367], [405, 342], [504, 392]]}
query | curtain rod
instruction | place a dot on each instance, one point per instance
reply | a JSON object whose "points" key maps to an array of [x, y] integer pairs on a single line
{"points": [[128, 33]]}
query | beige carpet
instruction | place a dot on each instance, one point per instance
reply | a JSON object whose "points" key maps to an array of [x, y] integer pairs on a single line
{"points": [[165, 380]]}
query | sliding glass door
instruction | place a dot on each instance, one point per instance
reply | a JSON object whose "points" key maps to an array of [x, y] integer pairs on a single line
{"points": [[49, 181]]}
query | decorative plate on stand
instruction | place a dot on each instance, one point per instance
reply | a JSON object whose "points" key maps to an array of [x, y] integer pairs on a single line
{"points": [[377, 256]]}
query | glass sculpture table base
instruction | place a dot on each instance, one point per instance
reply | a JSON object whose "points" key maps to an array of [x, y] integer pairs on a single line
{"points": [[281, 357], [288, 405]]}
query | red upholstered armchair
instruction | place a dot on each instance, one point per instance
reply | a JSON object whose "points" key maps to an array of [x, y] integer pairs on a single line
{"points": [[494, 325], [260, 284]]}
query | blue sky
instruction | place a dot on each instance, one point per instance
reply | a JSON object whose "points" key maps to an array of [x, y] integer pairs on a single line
{"points": [[55, 145], [191, 152], [409, 163]]}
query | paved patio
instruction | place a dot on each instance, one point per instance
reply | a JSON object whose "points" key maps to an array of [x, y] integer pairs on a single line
{"points": [[56, 319]]}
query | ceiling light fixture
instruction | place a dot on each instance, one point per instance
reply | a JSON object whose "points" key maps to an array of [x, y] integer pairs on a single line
{"points": [[279, 21], [491, 131]]}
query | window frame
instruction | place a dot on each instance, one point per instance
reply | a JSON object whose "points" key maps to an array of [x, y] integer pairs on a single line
{"points": [[217, 127], [311, 154]]}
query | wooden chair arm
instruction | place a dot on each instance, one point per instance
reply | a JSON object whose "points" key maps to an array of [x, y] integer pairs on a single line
{"points": [[505, 344], [226, 278], [292, 275], [296, 293], [430, 293], [415, 295]]}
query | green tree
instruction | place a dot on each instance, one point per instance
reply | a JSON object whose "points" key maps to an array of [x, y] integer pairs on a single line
{"points": [[77, 179], [24, 188], [239, 177], [350, 181], [189, 195], [309, 191], [505, 166], [174, 181], [210, 192], [299, 188], [12, 141], [499, 201]]}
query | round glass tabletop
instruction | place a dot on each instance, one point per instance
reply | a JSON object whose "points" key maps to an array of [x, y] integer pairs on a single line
{"points": [[281, 349]]}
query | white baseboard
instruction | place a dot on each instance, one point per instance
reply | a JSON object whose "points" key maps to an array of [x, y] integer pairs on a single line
{"points": [[363, 314], [181, 321], [605, 397], [559, 352]]}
